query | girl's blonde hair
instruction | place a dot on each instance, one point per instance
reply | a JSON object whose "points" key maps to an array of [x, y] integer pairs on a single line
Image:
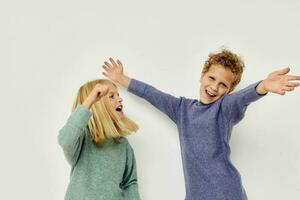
{"points": [[105, 122]]}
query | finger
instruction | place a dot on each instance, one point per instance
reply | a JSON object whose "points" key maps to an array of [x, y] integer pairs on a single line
{"points": [[119, 62], [105, 74], [291, 84], [281, 92], [283, 71], [112, 62], [289, 89], [293, 78], [105, 67], [108, 64]]}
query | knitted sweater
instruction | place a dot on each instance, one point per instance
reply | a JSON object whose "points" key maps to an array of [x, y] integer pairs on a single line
{"points": [[105, 172], [204, 133]]}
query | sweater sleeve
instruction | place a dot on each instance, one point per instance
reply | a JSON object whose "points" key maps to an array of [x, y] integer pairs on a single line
{"points": [[129, 183], [234, 105], [166, 103], [71, 135]]}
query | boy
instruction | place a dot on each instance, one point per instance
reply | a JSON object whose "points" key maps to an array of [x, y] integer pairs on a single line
{"points": [[205, 126]]}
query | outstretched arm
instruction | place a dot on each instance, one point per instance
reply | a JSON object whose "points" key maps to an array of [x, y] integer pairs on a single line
{"points": [[166, 103], [278, 82]]}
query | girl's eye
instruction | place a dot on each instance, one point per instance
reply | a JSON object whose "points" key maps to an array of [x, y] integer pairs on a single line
{"points": [[111, 97], [211, 78]]}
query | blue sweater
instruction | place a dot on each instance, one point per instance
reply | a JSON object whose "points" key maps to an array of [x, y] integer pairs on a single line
{"points": [[204, 133]]}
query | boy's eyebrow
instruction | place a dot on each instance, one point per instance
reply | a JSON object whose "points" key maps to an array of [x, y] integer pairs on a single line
{"points": [[223, 82], [227, 84]]}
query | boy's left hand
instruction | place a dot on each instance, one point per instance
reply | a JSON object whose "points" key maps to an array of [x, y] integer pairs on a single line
{"points": [[278, 82]]}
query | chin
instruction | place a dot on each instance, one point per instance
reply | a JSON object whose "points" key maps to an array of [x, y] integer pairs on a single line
{"points": [[121, 114], [207, 101]]}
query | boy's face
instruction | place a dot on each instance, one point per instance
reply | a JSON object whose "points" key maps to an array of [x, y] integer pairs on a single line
{"points": [[215, 83]]}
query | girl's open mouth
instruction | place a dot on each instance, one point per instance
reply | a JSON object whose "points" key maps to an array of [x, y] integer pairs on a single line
{"points": [[119, 108]]}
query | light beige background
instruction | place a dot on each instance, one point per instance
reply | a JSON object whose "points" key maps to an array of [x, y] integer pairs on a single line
{"points": [[49, 48]]}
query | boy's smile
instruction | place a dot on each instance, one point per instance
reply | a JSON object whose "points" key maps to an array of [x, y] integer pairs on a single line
{"points": [[215, 83]]}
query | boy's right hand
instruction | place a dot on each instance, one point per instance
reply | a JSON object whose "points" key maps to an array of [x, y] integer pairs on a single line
{"points": [[114, 71], [95, 95]]}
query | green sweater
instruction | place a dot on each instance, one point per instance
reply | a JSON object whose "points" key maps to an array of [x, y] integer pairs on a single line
{"points": [[106, 172]]}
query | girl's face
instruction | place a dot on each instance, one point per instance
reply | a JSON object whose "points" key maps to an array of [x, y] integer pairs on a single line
{"points": [[215, 83], [115, 100]]}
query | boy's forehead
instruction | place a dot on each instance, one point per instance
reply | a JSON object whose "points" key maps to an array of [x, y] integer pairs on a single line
{"points": [[221, 72]]}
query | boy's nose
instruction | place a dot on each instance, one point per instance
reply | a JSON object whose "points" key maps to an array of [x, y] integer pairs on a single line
{"points": [[120, 99], [214, 87]]}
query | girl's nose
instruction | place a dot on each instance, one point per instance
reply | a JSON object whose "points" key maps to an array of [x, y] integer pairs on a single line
{"points": [[120, 99]]}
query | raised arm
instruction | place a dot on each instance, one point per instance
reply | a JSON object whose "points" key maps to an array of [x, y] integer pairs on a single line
{"points": [[166, 103], [278, 82], [71, 136]]}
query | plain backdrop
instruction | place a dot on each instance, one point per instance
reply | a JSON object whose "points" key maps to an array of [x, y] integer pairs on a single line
{"points": [[49, 48]]}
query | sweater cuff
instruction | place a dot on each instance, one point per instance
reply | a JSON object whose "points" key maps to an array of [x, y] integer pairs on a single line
{"points": [[248, 94], [137, 87], [256, 91], [256, 95]]}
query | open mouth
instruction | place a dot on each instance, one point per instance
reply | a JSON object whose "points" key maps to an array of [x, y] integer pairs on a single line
{"points": [[210, 94], [119, 108]]}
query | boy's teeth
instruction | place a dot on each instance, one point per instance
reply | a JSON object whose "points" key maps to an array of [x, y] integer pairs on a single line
{"points": [[210, 93], [213, 95]]}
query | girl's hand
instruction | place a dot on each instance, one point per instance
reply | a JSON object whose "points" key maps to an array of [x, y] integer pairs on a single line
{"points": [[113, 69], [95, 95], [278, 82]]}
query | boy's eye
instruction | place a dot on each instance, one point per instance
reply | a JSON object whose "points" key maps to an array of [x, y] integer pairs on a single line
{"points": [[225, 86], [211, 78]]}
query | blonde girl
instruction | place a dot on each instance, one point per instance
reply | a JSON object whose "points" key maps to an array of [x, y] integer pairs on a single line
{"points": [[93, 141]]}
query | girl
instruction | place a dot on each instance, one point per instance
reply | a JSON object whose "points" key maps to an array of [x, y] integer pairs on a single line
{"points": [[93, 140]]}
